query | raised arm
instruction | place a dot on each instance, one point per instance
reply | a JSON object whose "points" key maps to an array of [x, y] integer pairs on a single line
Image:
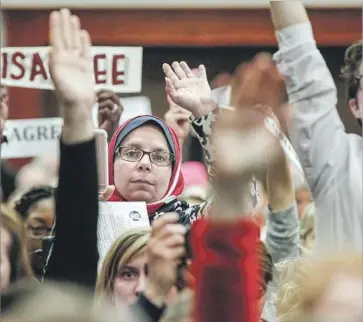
{"points": [[317, 132], [74, 255]]}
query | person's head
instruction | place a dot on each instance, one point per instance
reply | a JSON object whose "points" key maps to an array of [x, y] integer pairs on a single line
{"points": [[332, 289], [123, 274], [307, 230], [144, 158], [352, 72], [14, 258], [37, 208], [303, 198], [61, 302], [291, 273]]}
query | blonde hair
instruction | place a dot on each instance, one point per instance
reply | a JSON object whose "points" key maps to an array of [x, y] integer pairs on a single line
{"points": [[322, 273], [19, 257], [288, 297], [126, 247], [303, 282]]}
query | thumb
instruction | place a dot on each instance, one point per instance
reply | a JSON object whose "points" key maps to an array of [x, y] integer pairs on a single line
{"points": [[107, 193]]}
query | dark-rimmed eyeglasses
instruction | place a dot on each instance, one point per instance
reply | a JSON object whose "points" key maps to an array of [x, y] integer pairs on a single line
{"points": [[134, 154]]}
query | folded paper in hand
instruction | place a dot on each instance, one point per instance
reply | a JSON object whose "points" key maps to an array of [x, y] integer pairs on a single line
{"points": [[115, 218]]}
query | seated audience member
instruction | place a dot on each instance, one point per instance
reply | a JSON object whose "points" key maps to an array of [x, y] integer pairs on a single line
{"points": [[141, 266], [58, 302], [37, 208], [14, 258]]}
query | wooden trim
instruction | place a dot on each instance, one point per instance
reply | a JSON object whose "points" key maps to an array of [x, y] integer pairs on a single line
{"points": [[189, 27]]}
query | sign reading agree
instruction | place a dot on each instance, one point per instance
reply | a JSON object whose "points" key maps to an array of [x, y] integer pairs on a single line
{"points": [[115, 68]]}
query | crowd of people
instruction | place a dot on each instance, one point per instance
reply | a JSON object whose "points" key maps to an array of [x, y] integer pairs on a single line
{"points": [[244, 236]]}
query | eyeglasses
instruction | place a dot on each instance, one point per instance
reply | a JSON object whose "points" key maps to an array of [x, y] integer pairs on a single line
{"points": [[133, 154], [37, 232]]}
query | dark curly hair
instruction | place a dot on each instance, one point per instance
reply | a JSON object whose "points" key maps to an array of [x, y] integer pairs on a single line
{"points": [[350, 70], [32, 196]]}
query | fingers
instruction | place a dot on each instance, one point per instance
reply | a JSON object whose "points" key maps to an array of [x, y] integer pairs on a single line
{"points": [[55, 37], [169, 73], [75, 30], [65, 23], [184, 66], [202, 71], [161, 222], [86, 44], [107, 193], [178, 70]]}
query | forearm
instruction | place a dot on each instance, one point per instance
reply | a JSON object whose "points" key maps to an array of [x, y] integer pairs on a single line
{"points": [[286, 13], [283, 233], [78, 126]]}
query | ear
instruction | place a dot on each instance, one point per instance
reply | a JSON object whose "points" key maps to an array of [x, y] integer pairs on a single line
{"points": [[354, 108]]}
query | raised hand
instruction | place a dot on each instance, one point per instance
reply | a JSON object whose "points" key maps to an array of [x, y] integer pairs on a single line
{"points": [[70, 61], [188, 90], [243, 146], [109, 111], [178, 119]]}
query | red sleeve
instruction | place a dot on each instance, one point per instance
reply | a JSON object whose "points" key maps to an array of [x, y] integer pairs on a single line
{"points": [[226, 272]]}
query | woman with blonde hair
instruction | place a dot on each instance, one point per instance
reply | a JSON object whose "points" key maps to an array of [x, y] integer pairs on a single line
{"points": [[14, 258], [123, 271]]}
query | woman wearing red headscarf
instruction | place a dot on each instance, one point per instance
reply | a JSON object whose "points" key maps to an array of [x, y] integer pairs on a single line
{"points": [[145, 165]]}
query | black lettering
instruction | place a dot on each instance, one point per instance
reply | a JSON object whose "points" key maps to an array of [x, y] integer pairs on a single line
{"points": [[14, 135], [28, 134], [55, 131], [42, 133]]}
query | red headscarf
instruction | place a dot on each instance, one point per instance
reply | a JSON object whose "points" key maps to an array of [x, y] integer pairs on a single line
{"points": [[176, 184]]}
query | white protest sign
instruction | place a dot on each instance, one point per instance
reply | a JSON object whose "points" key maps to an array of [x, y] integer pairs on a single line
{"points": [[32, 137], [114, 219], [115, 68]]}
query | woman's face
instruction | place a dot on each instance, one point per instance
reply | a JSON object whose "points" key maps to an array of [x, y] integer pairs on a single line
{"points": [[39, 223], [143, 180], [5, 267], [130, 280]]}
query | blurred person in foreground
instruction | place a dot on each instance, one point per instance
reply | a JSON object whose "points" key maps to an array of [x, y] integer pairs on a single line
{"points": [[58, 302], [14, 259], [331, 158]]}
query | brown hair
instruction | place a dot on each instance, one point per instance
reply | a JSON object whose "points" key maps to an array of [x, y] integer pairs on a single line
{"points": [[127, 246], [19, 257], [350, 69]]}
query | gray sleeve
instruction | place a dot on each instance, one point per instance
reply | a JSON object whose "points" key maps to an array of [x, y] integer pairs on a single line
{"points": [[317, 133], [283, 234]]}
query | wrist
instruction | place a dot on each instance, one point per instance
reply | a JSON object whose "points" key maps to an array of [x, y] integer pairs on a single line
{"points": [[155, 294], [205, 109]]}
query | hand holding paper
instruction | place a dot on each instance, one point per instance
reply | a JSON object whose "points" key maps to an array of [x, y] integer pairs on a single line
{"points": [[188, 90]]}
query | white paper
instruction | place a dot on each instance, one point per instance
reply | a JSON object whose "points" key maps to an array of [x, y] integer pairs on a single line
{"points": [[114, 219], [32, 137], [115, 68]]}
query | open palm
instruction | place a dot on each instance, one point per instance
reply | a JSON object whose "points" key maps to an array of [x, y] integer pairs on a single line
{"points": [[188, 90], [70, 61]]}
